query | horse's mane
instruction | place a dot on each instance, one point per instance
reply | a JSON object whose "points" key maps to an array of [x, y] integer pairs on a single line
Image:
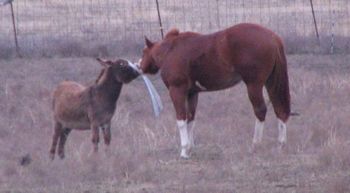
{"points": [[173, 32]]}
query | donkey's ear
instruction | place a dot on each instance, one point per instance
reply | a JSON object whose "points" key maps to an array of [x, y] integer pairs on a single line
{"points": [[148, 42], [103, 62]]}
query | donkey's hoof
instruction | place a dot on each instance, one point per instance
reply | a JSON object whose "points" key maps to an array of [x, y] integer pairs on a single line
{"points": [[61, 155], [107, 152], [52, 156]]}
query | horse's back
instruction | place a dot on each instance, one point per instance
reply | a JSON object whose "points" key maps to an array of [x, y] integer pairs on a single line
{"points": [[251, 49], [252, 31]]}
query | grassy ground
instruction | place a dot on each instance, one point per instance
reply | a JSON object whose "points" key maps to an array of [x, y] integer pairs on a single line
{"points": [[145, 150]]}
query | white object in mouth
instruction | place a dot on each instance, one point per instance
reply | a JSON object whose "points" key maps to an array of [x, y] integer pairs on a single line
{"points": [[155, 98]]}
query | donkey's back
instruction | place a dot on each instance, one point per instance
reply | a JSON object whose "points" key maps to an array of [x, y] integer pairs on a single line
{"points": [[70, 104]]}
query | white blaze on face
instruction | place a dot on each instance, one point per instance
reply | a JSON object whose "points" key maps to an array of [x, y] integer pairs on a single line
{"points": [[258, 132], [282, 131], [185, 143]]}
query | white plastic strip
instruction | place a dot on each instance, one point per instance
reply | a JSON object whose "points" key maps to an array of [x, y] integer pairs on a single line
{"points": [[155, 98], [156, 101]]}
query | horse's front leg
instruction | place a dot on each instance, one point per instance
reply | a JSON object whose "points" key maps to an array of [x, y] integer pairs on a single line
{"points": [[192, 102], [178, 95], [255, 93]]}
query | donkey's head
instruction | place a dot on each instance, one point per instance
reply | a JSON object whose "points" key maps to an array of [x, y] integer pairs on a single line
{"points": [[148, 63], [120, 69]]}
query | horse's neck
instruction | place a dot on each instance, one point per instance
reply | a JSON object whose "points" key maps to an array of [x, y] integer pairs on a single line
{"points": [[108, 87], [184, 40]]}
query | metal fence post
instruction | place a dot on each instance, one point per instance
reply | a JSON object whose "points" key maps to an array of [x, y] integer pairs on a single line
{"points": [[5, 2], [315, 23], [160, 20]]}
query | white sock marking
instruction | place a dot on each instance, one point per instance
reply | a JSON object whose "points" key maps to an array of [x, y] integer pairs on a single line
{"points": [[282, 131], [258, 131], [185, 143]]}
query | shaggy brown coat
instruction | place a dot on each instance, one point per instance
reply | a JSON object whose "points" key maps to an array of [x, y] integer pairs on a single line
{"points": [[78, 107]]}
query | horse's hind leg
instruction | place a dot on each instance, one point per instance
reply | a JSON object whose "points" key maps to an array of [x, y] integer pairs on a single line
{"points": [[63, 137], [56, 135], [255, 93], [281, 112]]}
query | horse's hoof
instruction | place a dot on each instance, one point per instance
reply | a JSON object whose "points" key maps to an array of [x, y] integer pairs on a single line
{"points": [[95, 149], [93, 153], [281, 146], [185, 157], [254, 148]]}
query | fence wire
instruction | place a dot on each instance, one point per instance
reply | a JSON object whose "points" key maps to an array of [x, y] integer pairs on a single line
{"points": [[117, 27]]}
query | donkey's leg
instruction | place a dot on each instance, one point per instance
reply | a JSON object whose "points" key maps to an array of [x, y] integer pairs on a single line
{"points": [[95, 136], [178, 96], [106, 128], [63, 137], [56, 134], [255, 93], [191, 113]]}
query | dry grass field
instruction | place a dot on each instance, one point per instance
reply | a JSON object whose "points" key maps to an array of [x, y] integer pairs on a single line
{"points": [[89, 28], [144, 155]]}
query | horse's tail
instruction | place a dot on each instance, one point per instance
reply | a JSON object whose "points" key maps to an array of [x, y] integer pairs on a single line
{"points": [[277, 86]]}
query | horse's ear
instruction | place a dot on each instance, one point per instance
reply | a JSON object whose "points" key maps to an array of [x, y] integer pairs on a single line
{"points": [[103, 62], [148, 42]]}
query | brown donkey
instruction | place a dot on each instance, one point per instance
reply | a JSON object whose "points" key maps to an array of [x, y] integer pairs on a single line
{"points": [[191, 63], [83, 108]]}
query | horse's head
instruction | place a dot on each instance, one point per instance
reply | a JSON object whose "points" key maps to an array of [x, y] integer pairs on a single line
{"points": [[120, 69], [148, 62]]}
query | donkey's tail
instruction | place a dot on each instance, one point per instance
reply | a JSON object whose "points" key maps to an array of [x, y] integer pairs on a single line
{"points": [[277, 86]]}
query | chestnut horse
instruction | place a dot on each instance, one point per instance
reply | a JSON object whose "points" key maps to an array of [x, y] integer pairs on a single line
{"points": [[191, 63]]}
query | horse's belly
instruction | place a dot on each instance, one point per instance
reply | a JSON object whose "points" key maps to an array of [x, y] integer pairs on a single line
{"points": [[212, 83]]}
